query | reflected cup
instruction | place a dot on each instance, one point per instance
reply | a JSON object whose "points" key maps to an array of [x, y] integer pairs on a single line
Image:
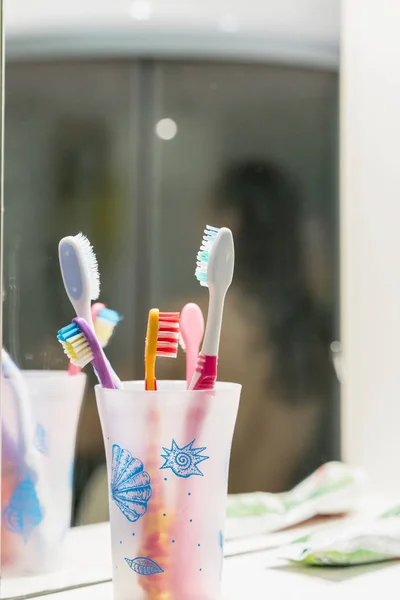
{"points": [[38, 450]]}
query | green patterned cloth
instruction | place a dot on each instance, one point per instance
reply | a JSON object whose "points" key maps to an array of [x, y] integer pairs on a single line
{"points": [[333, 489], [364, 543]]}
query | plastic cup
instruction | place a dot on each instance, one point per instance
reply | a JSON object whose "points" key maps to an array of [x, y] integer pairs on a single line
{"points": [[167, 461], [36, 497]]}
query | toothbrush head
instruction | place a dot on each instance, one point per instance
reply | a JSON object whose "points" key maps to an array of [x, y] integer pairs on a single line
{"points": [[79, 268], [216, 258], [203, 255], [105, 320], [75, 345], [162, 334], [191, 325], [82, 346]]}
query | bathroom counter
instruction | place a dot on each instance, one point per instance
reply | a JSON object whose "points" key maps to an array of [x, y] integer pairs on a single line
{"points": [[257, 573], [250, 564], [88, 560]]}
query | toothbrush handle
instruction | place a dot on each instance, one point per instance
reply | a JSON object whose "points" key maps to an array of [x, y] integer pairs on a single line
{"points": [[205, 375], [192, 353], [152, 387], [102, 371], [115, 379]]}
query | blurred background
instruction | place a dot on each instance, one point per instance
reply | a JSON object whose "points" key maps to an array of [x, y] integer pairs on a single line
{"points": [[139, 122]]}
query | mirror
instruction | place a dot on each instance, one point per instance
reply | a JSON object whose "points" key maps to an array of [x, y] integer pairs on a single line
{"points": [[129, 130]]}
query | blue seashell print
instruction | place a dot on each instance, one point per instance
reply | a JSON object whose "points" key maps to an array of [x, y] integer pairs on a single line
{"points": [[183, 461], [40, 439], [144, 566], [130, 484], [23, 512]]}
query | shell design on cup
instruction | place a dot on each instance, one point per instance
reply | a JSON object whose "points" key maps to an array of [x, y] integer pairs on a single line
{"points": [[130, 484], [144, 566], [23, 512], [183, 461]]}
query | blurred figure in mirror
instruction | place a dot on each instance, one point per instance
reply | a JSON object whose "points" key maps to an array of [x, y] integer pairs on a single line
{"points": [[275, 337], [276, 333]]}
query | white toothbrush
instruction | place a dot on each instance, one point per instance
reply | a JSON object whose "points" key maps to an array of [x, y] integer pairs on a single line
{"points": [[31, 455], [13, 374], [215, 265], [81, 278]]}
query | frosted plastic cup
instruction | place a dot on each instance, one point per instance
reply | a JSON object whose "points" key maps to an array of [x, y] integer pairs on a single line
{"points": [[167, 461], [36, 509]]}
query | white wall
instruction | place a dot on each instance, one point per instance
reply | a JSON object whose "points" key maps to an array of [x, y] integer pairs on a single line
{"points": [[370, 229], [294, 31]]}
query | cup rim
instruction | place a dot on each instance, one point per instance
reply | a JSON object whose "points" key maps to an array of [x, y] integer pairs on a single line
{"points": [[137, 387], [50, 374]]}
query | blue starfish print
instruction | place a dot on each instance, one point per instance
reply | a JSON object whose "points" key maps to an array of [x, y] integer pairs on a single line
{"points": [[183, 461]]}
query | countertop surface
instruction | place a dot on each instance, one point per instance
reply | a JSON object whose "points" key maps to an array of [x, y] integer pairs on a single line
{"points": [[251, 565]]}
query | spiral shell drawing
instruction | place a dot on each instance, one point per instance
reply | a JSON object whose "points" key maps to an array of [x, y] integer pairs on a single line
{"points": [[144, 566], [183, 461], [130, 484], [23, 513]]}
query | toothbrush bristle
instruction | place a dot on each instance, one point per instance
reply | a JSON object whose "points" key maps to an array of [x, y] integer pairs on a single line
{"points": [[168, 334], [92, 265], [75, 345], [203, 255]]}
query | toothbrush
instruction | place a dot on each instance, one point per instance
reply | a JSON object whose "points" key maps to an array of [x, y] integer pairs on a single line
{"points": [[215, 264], [162, 339], [192, 331], [80, 273], [39, 509], [105, 320], [81, 345], [13, 374]]}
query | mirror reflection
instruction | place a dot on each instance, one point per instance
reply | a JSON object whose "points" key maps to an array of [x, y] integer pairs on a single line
{"points": [[139, 152]]}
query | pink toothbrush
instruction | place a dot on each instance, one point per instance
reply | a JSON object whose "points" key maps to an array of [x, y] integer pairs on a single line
{"points": [[192, 331]]}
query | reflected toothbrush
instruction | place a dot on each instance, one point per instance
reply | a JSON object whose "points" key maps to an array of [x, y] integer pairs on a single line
{"points": [[192, 331], [105, 320], [80, 273], [13, 374], [215, 265]]}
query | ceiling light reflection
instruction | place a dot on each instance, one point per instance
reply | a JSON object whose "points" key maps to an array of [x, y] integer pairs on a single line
{"points": [[166, 129]]}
